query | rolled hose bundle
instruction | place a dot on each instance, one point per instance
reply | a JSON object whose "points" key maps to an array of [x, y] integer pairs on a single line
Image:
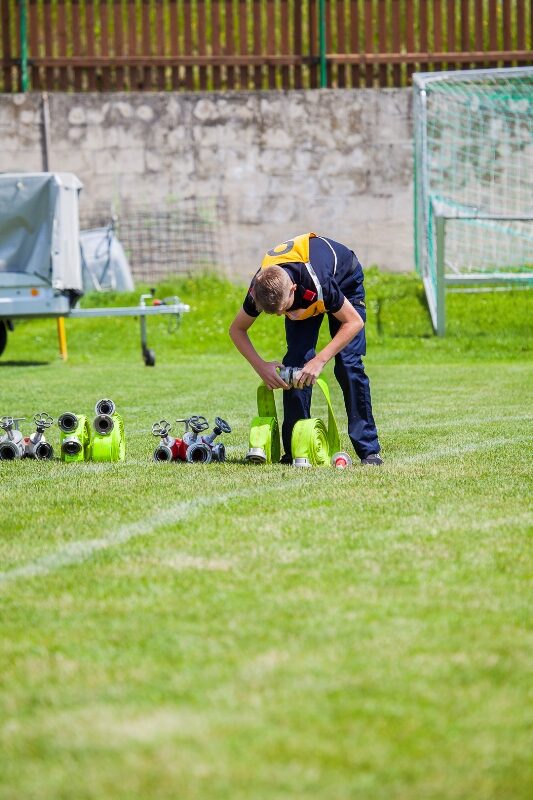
{"points": [[309, 443], [108, 442], [75, 437], [264, 431], [312, 443]]}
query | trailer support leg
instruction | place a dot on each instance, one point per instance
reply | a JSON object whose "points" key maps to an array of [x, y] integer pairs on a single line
{"points": [[148, 353], [62, 338]]}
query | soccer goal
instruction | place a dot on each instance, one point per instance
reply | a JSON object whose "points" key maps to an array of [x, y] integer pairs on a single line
{"points": [[473, 181]]}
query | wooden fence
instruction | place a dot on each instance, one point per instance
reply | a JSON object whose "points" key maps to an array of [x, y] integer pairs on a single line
{"points": [[156, 45]]}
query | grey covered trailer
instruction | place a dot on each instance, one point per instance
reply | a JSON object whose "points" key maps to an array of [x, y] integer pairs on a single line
{"points": [[40, 262]]}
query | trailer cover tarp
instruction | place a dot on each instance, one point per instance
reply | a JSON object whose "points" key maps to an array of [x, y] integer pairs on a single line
{"points": [[39, 227]]}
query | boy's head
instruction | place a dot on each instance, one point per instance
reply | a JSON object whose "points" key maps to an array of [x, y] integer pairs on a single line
{"points": [[273, 290]]}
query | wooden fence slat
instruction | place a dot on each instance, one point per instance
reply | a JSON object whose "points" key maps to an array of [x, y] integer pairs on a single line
{"points": [[423, 32], [507, 29], [33, 44], [493, 25], [6, 47], [409, 34], [478, 24], [62, 43], [521, 25], [258, 72], [201, 32], [382, 41], [271, 41], [465, 25], [531, 28], [523, 56], [341, 41], [15, 43], [174, 41], [396, 46], [243, 43], [369, 42], [75, 38], [329, 41], [188, 44], [313, 43], [354, 41], [104, 43], [230, 43], [118, 42], [297, 38], [437, 26], [131, 33], [450, 29], [285, 70], [215, 41], [89, 39], [160, 43], [146, 44]]}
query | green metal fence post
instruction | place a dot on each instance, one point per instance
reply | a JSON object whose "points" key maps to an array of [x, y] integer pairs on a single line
{"points": [[23, 45], [440, 299], [322, 44]]}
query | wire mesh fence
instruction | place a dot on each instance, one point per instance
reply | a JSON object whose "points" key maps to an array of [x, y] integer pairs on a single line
{"points": [[178, 237]]}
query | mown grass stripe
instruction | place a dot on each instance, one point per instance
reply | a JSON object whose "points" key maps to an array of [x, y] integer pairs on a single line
{"points": [[78, 551]]}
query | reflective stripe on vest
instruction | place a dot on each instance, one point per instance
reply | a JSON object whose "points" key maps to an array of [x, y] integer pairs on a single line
{"points": [[296, 251]]}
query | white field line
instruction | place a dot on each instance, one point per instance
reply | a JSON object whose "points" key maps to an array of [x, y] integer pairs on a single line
{"points": [[76, 552], [82, 550]]}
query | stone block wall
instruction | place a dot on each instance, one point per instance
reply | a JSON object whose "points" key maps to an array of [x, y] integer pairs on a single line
{"points": [[338, 162]]}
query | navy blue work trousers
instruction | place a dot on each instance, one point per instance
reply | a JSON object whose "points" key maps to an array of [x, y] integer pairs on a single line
{"points": [[302, 336]]}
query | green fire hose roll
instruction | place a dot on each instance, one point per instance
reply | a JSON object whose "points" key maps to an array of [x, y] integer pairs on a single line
{"points": [[75, 442], [312, 443], [110, 446], [264, 431]]}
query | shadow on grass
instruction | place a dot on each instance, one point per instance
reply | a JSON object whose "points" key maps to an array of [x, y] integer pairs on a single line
{"points": [[24, 363]]}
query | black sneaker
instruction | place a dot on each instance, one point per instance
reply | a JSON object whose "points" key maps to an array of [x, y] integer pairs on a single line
{"points": [[285, 459], [373, 460]]}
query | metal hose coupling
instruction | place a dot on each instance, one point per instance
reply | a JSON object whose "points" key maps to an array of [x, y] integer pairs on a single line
{"points": [[105, 406], [10, 450], [43, 451], [290, 375], [36, 445], [12, 442], [199, 453], [71, 446], [256, 455], [68, 422], [219, 452], [164, 450], [103, 424]]}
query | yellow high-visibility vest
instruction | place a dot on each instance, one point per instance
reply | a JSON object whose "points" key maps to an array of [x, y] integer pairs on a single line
{"points": [[297, 251]]}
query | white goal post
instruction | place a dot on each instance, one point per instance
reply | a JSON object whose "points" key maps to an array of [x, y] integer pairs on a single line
{"points": [[473, 173]]}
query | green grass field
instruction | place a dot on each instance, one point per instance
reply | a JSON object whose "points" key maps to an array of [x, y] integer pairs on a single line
{"points": [[229, 631]]}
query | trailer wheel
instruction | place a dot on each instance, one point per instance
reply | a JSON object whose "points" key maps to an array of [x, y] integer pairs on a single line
{"points": [[3, 336]]}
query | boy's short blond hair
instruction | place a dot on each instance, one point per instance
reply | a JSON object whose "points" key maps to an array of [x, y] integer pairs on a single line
{"points": [[271, 290]]}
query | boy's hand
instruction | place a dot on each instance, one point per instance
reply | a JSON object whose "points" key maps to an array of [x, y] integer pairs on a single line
{"points": [[310, 372], [268, 373]]}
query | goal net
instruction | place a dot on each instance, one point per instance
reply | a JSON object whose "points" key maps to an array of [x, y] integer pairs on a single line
{"points": [[473, 180]]}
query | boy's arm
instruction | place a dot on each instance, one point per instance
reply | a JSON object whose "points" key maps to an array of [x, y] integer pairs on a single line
{"points": [[351, 324], [265, 369]]}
